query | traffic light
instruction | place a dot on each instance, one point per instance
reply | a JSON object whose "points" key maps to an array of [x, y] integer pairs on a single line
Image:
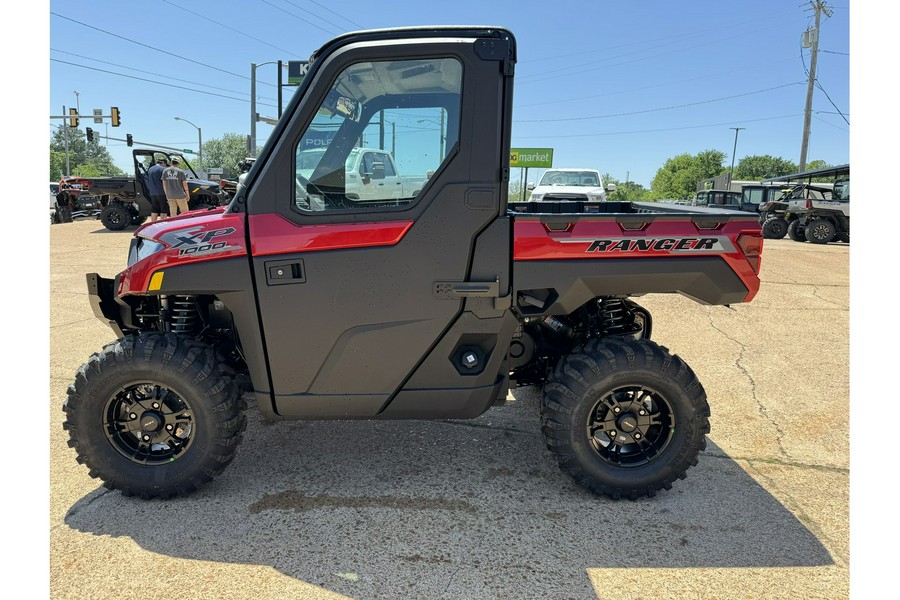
{"points": [[116, 117], [73, 117], [129, 139], [90, 134]]}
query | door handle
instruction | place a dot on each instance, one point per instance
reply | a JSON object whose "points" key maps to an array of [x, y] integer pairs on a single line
{"points": [[281, 272]]}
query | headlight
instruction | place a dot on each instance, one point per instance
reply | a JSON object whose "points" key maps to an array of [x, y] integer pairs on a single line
{"points": [[141, 248], [595, 197], [536, 197]]}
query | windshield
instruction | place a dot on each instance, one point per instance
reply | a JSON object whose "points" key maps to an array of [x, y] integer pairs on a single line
{"points": [[841, 190], [574, 178]]}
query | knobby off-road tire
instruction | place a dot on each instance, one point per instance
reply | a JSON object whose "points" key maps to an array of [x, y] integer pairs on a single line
{"points": [[820, 231], [115, 217], [774, 228], [796, 231], [649, 400], [154, 415]]}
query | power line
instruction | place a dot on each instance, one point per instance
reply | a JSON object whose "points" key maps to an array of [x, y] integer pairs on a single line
{"points": [[678, 37], [564, 72], [151, 47], [638, 112], [298, 18], [831, 124], [525, 137], [146, 72], [205, 18], [312, 14], [833, 52], [354, 23], [180, 87], [655, 85]]}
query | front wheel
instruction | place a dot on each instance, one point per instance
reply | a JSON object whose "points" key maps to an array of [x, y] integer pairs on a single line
{"points": [[624, 418], [154, 415]]}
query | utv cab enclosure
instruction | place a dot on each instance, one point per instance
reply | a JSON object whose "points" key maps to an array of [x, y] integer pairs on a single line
{"points": [[427, 303]]}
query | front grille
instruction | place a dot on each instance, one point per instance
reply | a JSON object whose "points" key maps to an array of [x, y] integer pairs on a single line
{"points": [[556, 197]]}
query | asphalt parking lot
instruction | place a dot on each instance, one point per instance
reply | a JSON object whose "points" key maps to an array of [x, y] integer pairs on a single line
{"points": [[479, 509]]}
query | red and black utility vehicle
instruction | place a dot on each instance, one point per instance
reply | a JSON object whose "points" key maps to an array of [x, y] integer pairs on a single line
{"points": [[321, 304], [125, 200]]}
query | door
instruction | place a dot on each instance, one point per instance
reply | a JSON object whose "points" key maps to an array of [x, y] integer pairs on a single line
{"points": [[355, 293]]}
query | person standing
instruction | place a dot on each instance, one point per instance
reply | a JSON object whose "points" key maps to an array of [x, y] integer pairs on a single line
{"points": [[158, 206], [176, 188]]}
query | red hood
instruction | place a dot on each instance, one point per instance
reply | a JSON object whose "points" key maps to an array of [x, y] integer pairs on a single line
{"points": [[194, 236]]}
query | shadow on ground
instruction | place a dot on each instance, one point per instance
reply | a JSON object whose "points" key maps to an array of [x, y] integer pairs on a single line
{"points": [[425, 509]]}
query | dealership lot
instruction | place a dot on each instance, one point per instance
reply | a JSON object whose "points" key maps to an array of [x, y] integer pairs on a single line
{"points": [[479, 509]]}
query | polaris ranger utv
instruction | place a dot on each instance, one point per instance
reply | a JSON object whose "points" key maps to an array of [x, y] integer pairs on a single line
{"points": [[426, 306]]}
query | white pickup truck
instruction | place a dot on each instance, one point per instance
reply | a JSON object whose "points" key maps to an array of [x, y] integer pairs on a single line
{"points": [[557, 185], [370, 175]]}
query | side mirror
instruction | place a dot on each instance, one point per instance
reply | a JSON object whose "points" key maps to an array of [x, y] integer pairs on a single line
{"points": [[530, 186], [611, 187]]}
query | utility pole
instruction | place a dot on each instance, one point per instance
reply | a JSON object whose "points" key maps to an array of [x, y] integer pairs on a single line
{"points": [[811, 37], [733, 153]]}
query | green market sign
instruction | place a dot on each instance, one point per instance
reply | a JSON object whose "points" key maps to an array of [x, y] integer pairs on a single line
{"points": [[531, 157]]}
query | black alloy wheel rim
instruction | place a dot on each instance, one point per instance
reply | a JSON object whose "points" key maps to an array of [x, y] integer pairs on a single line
{"points": [[631, 426], [148, 423], [115, 217]]}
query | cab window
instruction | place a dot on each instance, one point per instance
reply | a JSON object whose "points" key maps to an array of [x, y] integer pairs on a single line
{"points": [[380, 134]]}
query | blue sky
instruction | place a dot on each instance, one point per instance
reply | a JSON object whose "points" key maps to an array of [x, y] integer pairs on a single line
{"points": [[618, 86]]}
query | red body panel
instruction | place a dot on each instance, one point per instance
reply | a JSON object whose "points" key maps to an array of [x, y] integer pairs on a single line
{"points": [[589, 238], [204, 235], [273, 234]]}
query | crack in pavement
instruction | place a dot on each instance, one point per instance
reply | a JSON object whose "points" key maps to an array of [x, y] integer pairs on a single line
{"points": [[799, 284], [816, 295], [780, 463], [762, 409], [811, 524]]}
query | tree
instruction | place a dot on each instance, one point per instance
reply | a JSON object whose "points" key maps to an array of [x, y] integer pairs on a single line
{"points": [[679, 177], [629, 191], [87, 159], [226, 153], [758, 167]]}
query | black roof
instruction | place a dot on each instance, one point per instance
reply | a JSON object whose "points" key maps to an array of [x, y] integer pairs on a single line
{"points": [[839, 170]]}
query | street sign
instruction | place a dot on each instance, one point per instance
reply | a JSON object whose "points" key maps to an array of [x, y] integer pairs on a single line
{"points": [[297, 71], [98, 115], [531, 157], [186, 151]]}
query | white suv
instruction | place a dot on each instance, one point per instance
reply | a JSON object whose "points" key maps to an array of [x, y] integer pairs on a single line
{"points": [[570, 184]]}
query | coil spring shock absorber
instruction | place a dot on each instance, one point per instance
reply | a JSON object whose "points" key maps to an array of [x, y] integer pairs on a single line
{"points": [[617, 318], [184, 314]]}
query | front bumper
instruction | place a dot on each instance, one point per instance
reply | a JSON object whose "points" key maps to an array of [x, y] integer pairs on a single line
{"points": [[102, 296]]}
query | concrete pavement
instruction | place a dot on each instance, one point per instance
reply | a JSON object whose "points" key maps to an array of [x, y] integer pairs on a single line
{"points": [[479, 509]]}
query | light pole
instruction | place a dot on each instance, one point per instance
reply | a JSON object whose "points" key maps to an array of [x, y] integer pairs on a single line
{"points": [[199, 142], [254, 116], [733, 152]]}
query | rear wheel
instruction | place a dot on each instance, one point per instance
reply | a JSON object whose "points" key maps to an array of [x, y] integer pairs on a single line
{"points": [[774, 228], [154, 415], [796, 231], [820, 231], [624, 418], [115, 217]]}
